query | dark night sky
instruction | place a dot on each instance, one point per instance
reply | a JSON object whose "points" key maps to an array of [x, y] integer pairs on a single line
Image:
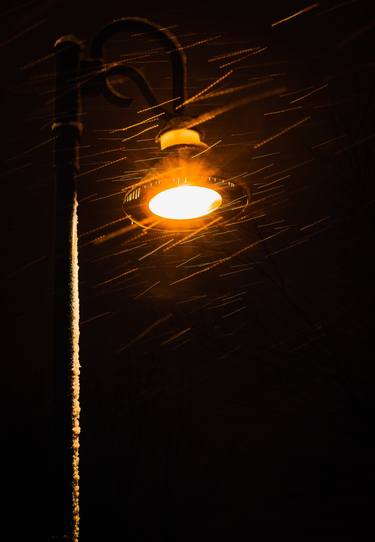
{"points": [[239, 399]]}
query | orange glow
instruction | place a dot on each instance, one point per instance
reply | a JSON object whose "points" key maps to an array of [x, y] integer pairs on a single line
{"points": [[180, 136], [172, 168], [185, 202]]}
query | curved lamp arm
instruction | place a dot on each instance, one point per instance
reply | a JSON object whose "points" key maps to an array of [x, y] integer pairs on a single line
{"points": [[167, 40], [117, 98]]}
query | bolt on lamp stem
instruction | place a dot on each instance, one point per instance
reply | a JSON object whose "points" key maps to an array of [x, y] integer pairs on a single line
{"points": [[67, 131]]}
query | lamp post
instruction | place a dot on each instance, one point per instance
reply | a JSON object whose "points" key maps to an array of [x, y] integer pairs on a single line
{"points": [[76, 76], [179, 195]]}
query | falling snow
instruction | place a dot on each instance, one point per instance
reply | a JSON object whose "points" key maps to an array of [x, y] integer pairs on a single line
{"points": [[270, 274]]}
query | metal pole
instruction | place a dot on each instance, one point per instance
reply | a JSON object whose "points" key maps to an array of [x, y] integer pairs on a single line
{"points": [[67, 131]]}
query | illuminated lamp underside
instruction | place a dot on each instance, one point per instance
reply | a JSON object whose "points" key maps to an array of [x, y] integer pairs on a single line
{"points": [[229, 199], [185, 202]]}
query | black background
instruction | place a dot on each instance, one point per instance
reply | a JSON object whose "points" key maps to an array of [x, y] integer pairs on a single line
{"points": [[258, 418]]}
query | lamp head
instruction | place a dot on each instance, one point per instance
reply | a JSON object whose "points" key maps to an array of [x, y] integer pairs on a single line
{"points": [[182, 191]]}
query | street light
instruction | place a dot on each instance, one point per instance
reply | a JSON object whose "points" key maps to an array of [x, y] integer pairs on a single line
{"points": [[179, 194]]}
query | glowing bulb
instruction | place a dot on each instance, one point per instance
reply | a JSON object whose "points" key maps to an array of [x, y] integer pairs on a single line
{"points": [[185, 202]]}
